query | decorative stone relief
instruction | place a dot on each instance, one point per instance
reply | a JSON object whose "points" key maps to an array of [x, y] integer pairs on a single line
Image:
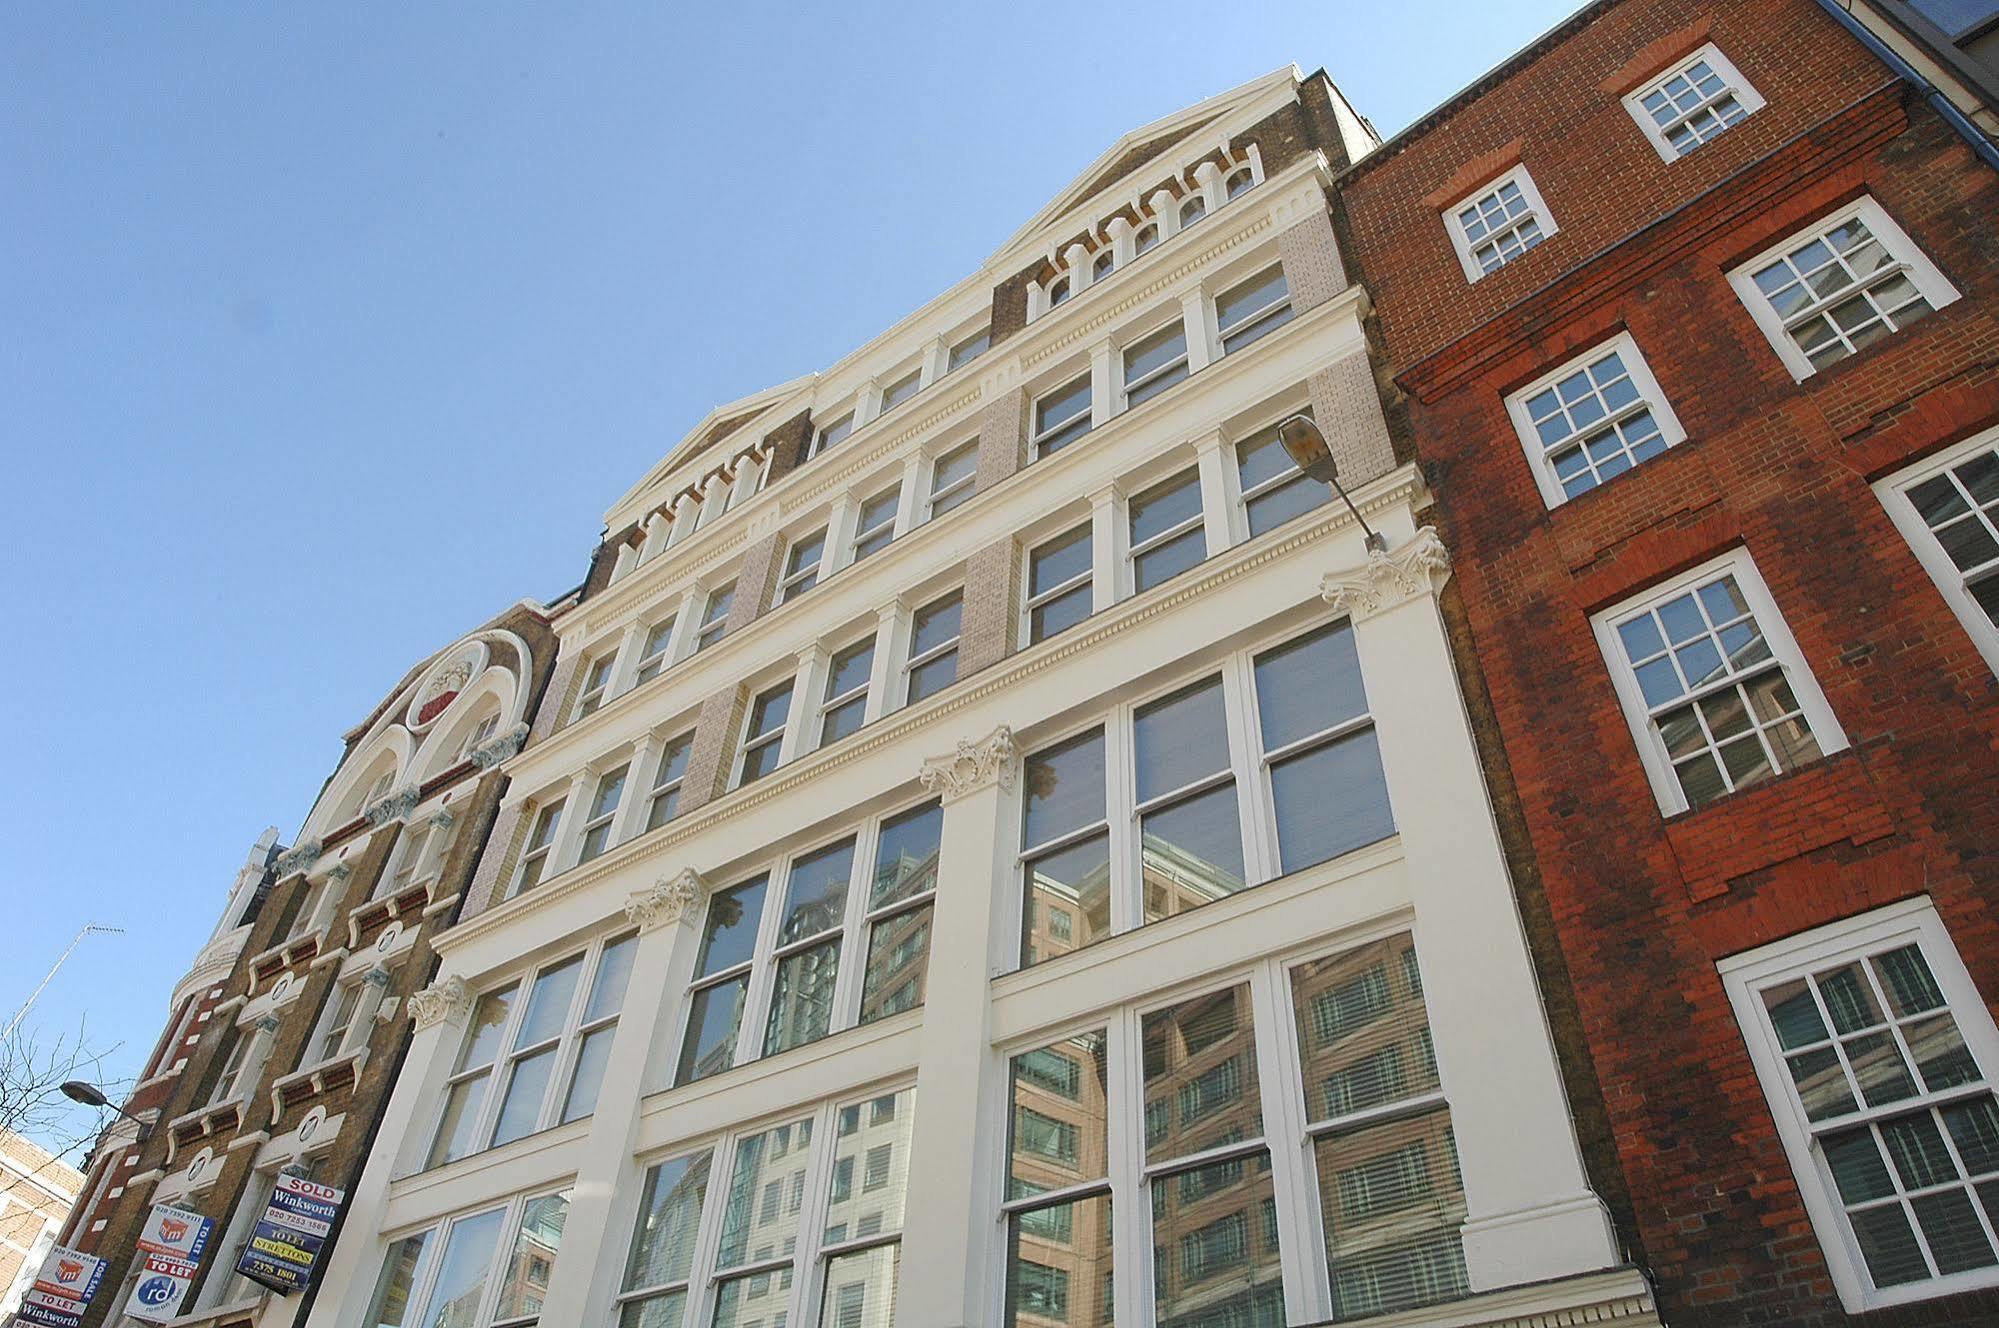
{"points": [[339, 873], [444, 1001], [499, 747], [971, 766], [667, 900], [1419, 565], [395, 807], [298, 858]]}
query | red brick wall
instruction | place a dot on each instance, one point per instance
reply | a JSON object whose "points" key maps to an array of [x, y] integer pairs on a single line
{"points": [[1643, 905]]}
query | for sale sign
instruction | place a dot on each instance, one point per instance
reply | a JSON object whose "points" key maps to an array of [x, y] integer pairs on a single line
{"points": [[170, 1249], [62, 1289], [288, 1238]]}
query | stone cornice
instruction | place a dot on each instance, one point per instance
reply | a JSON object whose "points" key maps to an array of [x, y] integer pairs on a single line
{"points": [[1400, 489], [971, 766], [1419, 565]]}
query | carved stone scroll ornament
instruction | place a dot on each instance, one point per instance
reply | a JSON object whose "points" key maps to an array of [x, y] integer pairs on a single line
{"points": [[396, 807], [1419, 565], [971, 766], [667, 900], [443, 1001], [499, 747], [297, 859]]}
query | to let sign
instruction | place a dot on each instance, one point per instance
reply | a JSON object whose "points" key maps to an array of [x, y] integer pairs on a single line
{"points": [[62, 1289]]}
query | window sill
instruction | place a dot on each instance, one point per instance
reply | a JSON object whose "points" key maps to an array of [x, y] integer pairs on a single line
{"points": [[1827, 802], [305, 1084], [505, 1165]]}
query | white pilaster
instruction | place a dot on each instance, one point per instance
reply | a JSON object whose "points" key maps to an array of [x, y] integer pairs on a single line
{"points": [[1203, 346], [906, 504], [1105, 388], [1107, 545], [1218, 523], [891, 648], [1531, 1213], [808, 696]]}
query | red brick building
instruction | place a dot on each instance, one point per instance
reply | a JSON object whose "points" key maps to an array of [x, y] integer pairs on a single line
{"points": [[1689, 309]]}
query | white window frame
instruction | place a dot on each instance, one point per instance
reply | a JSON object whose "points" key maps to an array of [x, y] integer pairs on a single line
{"points": [[967, 484], [893, 495], [1954, 585], [1031, 602], [1746, 976], [534, 849], [423, 1282], [1247, 767], [1158, 234], [598, 671], [595, 819], [747, 739], [842, 424], [1650, 396], [1929, 282], [829, 700], [1537, 208], [331, 1021], [1037, 437], [1291, 1128], [811, 1256], [912, 380], [1247, 495], [918, 660], [1267, 318], [1189, 476], [660, 787], [711, 628], [795, 581], [856, 929], [654, 662], [959, 355], [1746, 96], [1159, 380], [1776, 632], [498, 1073]]}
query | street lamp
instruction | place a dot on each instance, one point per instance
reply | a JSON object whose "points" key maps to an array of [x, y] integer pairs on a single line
{"points": [[90, 1095], [1307, 449]]}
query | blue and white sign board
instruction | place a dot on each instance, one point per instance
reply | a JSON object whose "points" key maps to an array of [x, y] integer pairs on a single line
{"points": [[285, 1245], [170, 1249], [62, 1289]]}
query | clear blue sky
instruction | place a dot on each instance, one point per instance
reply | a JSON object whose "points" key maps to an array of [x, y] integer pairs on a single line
{"points": [[331, 330]]}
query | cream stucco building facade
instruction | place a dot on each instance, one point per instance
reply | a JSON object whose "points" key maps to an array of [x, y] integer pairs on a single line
{"points": [[998, 849]]}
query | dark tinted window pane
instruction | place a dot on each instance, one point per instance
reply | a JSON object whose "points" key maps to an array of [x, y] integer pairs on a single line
{"points": [[1330, 800], [1309, 685], [1064, 788], [731, 934], [1181, 738]]}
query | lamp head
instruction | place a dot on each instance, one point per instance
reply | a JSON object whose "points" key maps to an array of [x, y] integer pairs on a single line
{"points": [[1307, 448], [90, 1095]]}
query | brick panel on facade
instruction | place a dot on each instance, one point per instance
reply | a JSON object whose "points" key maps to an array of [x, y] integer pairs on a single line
{"points": [[989, 610], [756, 581], [1311, 259], [1002, 437], [1348, 411], [715, 732]]}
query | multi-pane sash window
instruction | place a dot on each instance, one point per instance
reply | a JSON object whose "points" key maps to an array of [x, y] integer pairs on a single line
{"points": [[933, 646], [835, 936], [1155, 362], [1273, 488], [330, 1038], [1058, 584], [954, 478], [412, 853], [763, 734], [546, 1052], [1875, 1052], [1224, 1156], [603, 810], [1106, 854], [1061, 417], [1499, 223], [1698, 99], [653, 652], [540, 842], [1838, 287], [875, 526], [666, 780], [1166, 531], [901, 390], [1948, 508], [715, 615], [1714, 687], [1248, 309], [229, 1083], [1595, 417], [969, 349], [846, 701], [801, 565], [799, 1223], [463, 1274], [832, 435], [596, 684]]}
